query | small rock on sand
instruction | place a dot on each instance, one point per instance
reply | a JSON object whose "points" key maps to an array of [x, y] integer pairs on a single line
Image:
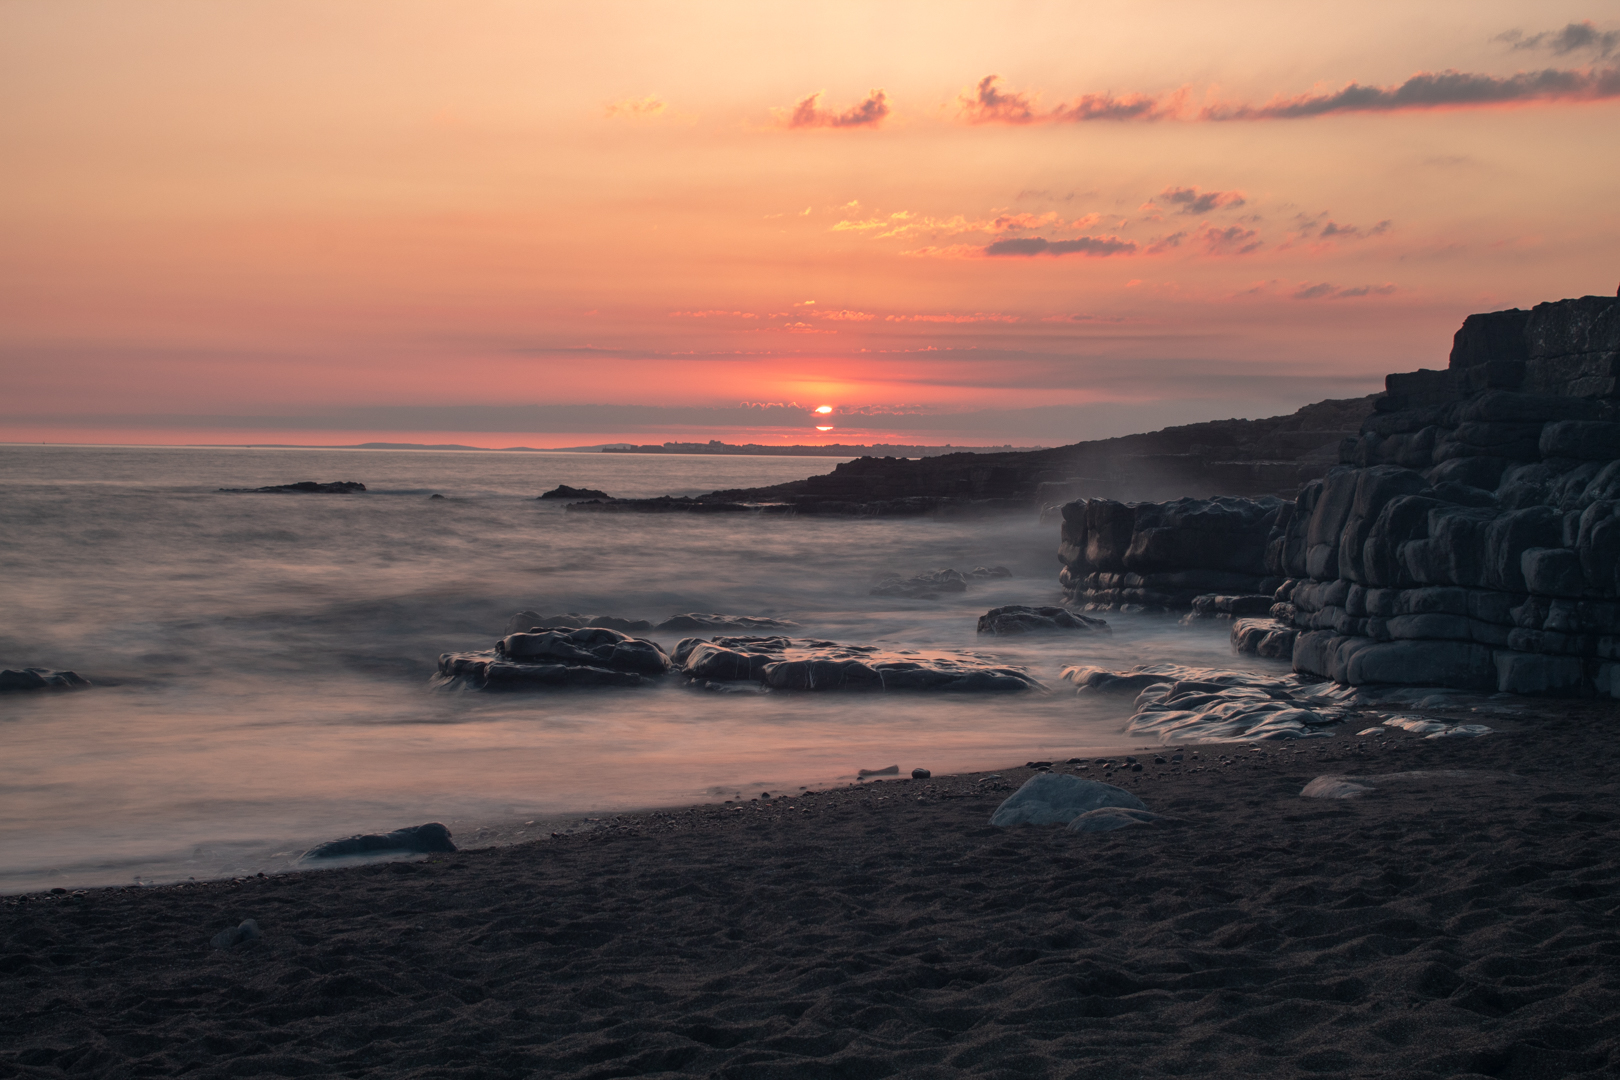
{"points": [[247, 930], [1057, 799], [920, 774]]}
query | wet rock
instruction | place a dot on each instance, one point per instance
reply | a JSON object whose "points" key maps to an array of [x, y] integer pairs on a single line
{"points": [[242, 933], [1019, 619], [1110, 818], [35, 678], [554, 656], [417, 839], [782, 663], [563, 491], [1058, 798], [1263, 637], [920, 774], [927, 586], [306, 487]]}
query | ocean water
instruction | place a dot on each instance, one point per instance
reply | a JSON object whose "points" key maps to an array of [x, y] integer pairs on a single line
{"points": [[261, 661]]}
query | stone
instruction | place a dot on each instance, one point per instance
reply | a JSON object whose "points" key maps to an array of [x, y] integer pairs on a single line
{"points": [[1058, 798], [563, 491], [36, 678], [305, 487], [927, 586], [887, 770], [1587, 440], [782, 663], [700, 621], [1110, 818], [1019, 619], [920, 774], [596, 646], [240, 934], [417, 839], [434, 496]]}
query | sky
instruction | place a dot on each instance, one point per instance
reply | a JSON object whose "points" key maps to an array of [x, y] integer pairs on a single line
{"points": [[562, 224]]}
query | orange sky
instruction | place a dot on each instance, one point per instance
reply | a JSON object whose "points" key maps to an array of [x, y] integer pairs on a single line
{"points": [[559, 224]]}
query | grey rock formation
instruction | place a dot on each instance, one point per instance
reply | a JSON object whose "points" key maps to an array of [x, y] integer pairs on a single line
{"points": [[36, 678], [573, 494], [1057, 799], [1018, 619]]}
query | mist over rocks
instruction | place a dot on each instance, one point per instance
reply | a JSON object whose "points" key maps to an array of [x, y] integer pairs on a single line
{"points": [[305, 487]]}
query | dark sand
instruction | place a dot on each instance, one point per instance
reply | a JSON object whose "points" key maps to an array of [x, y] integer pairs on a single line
{"points": [[1460, 928]]}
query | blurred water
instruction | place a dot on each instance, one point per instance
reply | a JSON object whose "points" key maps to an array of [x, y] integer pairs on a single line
{"points": [[261, 660]]}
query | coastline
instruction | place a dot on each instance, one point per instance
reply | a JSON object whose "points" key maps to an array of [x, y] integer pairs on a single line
{"points": [[1452, 927]]}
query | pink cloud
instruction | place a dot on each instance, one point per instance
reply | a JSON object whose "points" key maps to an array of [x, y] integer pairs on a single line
{"points": [[807, 114]]}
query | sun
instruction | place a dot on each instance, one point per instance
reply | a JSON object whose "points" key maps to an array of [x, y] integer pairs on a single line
{"points": [[824, 409]]}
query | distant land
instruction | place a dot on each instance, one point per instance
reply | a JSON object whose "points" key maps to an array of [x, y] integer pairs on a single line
{"points": [[714, 446]]}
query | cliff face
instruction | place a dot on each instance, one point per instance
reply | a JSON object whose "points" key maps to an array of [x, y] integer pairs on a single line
{"points": [[1471, 535]]}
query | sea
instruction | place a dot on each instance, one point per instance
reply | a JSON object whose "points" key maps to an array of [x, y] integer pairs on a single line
{"points": [[261, 662]]}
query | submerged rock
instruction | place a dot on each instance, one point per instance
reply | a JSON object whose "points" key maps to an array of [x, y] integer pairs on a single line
{"points": [[306, 487], [694, 620], [533, 620], [417, 839], [1018, 619], [38, 678], [782, 663], [554, 656], [563, 491], [928, 586], [1057, 799]]}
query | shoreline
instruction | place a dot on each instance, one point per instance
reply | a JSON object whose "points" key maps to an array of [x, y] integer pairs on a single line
{"points": [[1459, 926]]}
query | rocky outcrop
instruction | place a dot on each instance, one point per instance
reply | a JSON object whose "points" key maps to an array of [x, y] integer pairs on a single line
{"points": [[306, 487], [1469, 538], [417, 839], [554, 656], [1162, 556], [563, 491], [38, 678], [780, 663]]}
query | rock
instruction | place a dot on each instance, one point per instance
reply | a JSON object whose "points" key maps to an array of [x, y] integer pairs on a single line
{"points": [[306, 487], [888, 770], [563, 491], [1018, 619], [697, 621], [782, 663], [1350, 787], [929, 586], [1057, 799], [418, 839], [242, 933], [1109, 818], [554, 656], [985, 573], [920, 774], [35, 678], [434, 496], [531, 620]]}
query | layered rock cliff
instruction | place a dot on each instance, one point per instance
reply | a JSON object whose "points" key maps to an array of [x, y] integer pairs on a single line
{"points": [[1469, 538]]}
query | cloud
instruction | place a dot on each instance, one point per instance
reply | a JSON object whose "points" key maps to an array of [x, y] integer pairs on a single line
{"points": [[807, 114], [1095, 246], [976, 317], [1434, 90], [905, 223], [1232, 240], [1190, 200], [1165, 243], [1574, 37], [1353, 232], [987, 103], [1326, 291], [845, 315], [651, 105]]}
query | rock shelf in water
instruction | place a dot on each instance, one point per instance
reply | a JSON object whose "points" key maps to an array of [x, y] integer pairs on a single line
{"points": [[306, 487], [781, 663], [1019, 619], [554, 656], [38, 678], [563, 491]]}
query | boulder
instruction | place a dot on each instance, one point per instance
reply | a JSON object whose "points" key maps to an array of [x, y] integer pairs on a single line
{"points": [[1019, 619], [1057, 799], [417, 839]]}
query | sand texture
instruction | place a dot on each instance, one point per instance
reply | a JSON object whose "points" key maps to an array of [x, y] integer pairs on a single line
{"points": [[1464, 927]]}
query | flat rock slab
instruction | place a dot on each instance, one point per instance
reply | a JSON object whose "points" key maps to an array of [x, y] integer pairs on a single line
{"points": [[551, 656], [416, 839], [782, 663], [1058, 799], [1350, 787], [1020, 619]]}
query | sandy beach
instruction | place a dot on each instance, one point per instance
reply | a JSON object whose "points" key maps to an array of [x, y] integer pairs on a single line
{"points": [[1454, 927]]}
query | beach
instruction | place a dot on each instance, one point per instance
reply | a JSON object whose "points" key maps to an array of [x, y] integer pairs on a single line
{"points": [[1452, 925]]}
